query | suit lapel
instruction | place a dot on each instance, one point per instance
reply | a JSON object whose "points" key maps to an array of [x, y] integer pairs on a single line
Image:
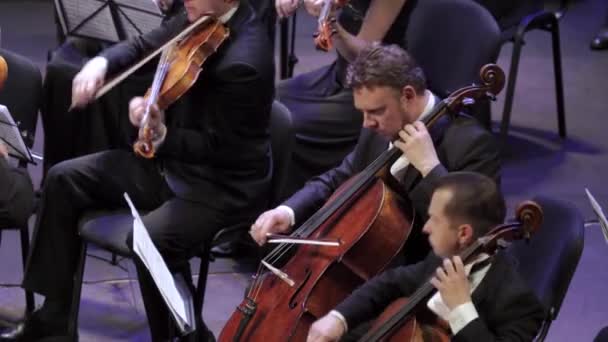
{"points": [[494, 276]]}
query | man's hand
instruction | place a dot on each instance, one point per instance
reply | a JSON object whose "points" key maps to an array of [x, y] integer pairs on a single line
{"points": [[88, 81], [417, 146], [452, 283], [3, 150], [313, 7], [326, 329], [270, 222], [286, 8]]}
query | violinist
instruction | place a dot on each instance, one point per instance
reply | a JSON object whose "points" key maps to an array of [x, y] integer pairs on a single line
{"points": [[326, 123], [211, 169], [390, 90], [485, 300], [16, 193]]}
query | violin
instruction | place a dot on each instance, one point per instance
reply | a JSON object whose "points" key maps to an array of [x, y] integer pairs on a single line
{"points": [[324, 32], [408, 319], [293, 287], [179, 66], [178, 69], [3, 71]]}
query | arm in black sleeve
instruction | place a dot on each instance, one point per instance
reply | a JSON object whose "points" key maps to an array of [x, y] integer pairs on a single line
{"points": [[127, 53], [369, 300], [318, 190]]}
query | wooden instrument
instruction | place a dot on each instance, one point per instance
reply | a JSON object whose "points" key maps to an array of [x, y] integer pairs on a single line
{"points": [[178, 69], [324, 32], [3, 71], [410, 320], [371, 224]]}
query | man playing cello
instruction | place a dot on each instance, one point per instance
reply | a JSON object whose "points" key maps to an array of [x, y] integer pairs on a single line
{"points": [[491, 303], [390, 90]]}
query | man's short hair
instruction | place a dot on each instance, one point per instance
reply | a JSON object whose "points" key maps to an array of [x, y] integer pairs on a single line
{"points": [[385, 65], [476, 199]]}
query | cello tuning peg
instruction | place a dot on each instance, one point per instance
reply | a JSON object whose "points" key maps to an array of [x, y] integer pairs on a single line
{"points": [[491, 96]]}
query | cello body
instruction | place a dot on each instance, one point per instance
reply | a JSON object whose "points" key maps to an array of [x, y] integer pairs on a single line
{"points": [[422, 327], [372, 229]]}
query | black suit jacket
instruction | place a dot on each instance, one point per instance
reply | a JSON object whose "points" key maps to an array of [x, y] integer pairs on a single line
{"points": [[508, 310], [217, 143], [461, 144]]}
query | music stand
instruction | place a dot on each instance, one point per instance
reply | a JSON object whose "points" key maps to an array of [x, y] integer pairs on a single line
{"points": [[107, 20]]}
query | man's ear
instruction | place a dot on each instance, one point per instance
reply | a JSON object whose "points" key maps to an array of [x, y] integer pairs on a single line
{"points": [[408, 93], [465, 234]]}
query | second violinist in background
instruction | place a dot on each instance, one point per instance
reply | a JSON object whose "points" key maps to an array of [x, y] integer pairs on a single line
{"points": [[324, 117], [492, 303], [211, 170]]}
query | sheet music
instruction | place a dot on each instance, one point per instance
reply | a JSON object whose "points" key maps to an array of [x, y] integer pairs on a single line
{"points": [[11, 136], [600, 214], [174, 291], [93, 18]]}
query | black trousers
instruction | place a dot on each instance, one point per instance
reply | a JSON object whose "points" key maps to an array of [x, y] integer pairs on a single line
{"points": [[177, 227]]}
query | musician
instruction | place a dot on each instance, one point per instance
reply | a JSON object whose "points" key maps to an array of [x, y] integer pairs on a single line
{"points": [[211, 169], [97, 127], [16, 193], [325, 121], [491, 303], [390, 90]]}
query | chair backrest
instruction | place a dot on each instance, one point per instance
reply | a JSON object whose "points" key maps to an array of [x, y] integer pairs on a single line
{"points": [[281, 142], [550, 258], [22, 93], [452, 40]]}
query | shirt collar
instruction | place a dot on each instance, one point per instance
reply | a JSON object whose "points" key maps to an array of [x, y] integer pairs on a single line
{"points": [[430, 104]]}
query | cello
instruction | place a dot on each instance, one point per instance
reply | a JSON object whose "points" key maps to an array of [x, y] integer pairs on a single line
{"points": [[408, 319], [3, 71], [364, 215]]}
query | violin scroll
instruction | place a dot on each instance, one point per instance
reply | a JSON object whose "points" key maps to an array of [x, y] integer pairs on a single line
{"points": [[3, 71], [493, 78]]}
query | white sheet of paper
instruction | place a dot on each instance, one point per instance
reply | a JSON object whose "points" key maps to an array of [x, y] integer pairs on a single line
{"points": [[176, 300], [600, 214]]}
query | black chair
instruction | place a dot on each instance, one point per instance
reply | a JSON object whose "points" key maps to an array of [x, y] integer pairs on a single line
{"points": [[548, 261], [451, 40], [101, 228], [541, 16], [22, 95]]}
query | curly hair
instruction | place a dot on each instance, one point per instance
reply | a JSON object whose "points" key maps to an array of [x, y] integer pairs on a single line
{"points": [[385, 65]]}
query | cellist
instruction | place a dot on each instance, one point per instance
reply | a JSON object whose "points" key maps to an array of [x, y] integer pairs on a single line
{"points": [[389, 88], [485, 300], [211, 169]]}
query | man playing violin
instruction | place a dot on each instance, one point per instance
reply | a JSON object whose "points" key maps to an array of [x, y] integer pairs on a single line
{"points": [[485, 300], [390, 90], [211, 169]]}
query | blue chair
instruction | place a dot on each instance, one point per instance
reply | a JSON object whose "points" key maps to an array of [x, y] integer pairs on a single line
{"points": [[548, 261]]}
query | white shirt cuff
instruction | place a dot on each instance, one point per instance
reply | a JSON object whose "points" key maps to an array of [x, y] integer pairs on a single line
{"points": [[289, 211], [462, 315], [341, 318]]}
